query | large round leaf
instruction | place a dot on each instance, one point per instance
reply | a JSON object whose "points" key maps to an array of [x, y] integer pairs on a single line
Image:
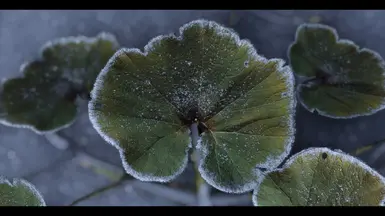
{"points": [[321, 177], [19, 193], [341, 80], [44, 98], [144, 103]]}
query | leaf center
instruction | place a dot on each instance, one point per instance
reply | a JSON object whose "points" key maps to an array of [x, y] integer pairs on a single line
{"points": [[194, 116], [327, 75]]}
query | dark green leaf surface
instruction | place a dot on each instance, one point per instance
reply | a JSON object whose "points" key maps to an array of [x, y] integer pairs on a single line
{"points": [[19, 193], [144, 104], [44, 98], [321, 177], [341, 80]]}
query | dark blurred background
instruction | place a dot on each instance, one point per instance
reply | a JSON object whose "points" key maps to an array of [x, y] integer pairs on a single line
{"points": [[78, 162]]}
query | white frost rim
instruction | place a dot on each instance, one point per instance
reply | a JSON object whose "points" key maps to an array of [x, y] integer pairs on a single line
{"points": [[60, 41], [22, 182], [314, 151], [339, 41], [285, 71]]}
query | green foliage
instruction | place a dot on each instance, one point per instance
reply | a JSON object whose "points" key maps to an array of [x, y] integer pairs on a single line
{"points": [[143, 103], [19, 193], [342, 81], [206, 89], [321, 177], [44, 98]]}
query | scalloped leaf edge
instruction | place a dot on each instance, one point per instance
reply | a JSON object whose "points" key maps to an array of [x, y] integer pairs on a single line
{"points": [[60, 41], [16, 182], [316, 151], [286, 72], [340, 41], [271, 162]]}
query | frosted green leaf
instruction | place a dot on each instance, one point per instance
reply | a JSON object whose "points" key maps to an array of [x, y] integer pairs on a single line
{"points": [[340, 80], [321, 177], [143, 103], [19, 193], [44, 98]]}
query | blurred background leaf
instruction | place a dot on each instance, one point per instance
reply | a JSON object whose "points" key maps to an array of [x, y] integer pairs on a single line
{"points": [[343, 81], [44, 99]]}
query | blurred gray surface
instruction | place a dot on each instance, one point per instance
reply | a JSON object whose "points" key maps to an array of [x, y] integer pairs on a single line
{"points": [[64, 177], [22, 152], [68, 181], [88, 140], [118, 197]]}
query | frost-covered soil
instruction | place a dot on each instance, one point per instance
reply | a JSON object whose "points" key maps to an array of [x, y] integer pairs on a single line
{"points": [[63, 175]]}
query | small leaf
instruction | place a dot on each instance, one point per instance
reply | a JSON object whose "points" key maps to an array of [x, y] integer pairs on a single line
{"points": [[321, 177], [19, 193], [367, 147], [44, 98], [144, 103], [342, 81]]}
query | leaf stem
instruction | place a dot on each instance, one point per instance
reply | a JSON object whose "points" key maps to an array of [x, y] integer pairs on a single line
{"points": [[202, 188], [365, 148], [57, 141]]}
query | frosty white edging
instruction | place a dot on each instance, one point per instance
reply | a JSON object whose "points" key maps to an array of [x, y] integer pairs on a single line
{"points": [[26, 184], [98, 86], [271, 162], [316, 152], [338, 41], [59, 41], [5, 122], [220, 30], [102, 36]]}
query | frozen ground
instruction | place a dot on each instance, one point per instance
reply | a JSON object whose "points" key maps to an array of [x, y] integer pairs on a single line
{"points": [[89, 163]]}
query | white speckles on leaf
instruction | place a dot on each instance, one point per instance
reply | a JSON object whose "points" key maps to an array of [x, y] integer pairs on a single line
{"points": [[245, 100], [19, 193], [339, 74], [321, 177], [44, 99]]}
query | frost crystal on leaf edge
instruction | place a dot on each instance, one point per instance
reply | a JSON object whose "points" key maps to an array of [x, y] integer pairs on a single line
{"points": [[271, 162], [339, 41], [315, 151], [285, 71], [47, 45], [16, 182]]}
